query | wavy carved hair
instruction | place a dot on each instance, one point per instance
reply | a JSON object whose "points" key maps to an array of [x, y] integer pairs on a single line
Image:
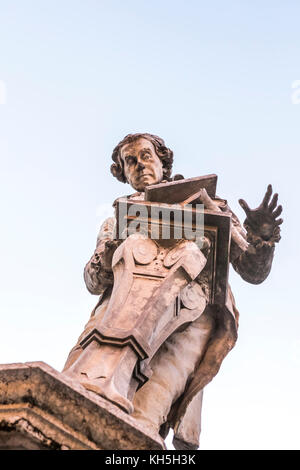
{"points": [[164, 153]]}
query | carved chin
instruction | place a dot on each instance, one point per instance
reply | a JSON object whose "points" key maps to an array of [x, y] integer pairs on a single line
{"points": [[140, 186], [141, 183]]}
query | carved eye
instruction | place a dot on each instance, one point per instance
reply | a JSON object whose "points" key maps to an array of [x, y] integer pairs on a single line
{"points": [[130, 160]]}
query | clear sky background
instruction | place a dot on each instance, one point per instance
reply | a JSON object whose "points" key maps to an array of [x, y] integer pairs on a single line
{"points": [[214, 79]]}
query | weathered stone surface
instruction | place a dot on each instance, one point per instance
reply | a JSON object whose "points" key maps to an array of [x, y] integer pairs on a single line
{"points": [[158, 335], [140, 316], [41, 408]]}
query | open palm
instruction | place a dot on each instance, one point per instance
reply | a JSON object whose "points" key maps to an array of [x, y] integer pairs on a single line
{"points": [[263, 220]]}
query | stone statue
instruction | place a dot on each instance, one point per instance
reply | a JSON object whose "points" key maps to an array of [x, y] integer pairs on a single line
{"points": [[155, 337]]}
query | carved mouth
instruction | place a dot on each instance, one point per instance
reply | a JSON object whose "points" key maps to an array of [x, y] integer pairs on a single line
{"points": [[143, 175]]}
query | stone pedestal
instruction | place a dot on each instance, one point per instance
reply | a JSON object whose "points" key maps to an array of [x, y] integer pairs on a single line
{"points": [[41, 408]]}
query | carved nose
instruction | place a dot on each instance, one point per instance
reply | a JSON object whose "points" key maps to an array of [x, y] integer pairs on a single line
{"points": [[140, 166]]}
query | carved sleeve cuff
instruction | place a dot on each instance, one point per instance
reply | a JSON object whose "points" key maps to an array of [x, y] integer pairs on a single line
{"points": [[254, 264], [257, 241]]}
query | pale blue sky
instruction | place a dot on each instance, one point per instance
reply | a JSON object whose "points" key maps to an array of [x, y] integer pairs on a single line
{"points": [[214, 79]]}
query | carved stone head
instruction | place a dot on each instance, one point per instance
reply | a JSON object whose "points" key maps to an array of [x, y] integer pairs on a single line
{"points": [[141, 160]]}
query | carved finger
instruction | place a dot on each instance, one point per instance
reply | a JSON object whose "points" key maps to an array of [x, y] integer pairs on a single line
{"points": [[273, 203], [207, 201], [277, 212], [267, 195], [276, 234], [245, 206], [203, 194], [276, 230], [278, 222]]}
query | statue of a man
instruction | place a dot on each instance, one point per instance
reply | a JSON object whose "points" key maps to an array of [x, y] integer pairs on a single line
{"points": [[191, 356]]}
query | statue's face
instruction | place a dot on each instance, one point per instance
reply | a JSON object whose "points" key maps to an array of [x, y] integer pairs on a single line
{"points": [[142, 167]]}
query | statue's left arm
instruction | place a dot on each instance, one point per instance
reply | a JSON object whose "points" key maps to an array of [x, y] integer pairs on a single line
{"points": [[253, 261], [252, 250]]}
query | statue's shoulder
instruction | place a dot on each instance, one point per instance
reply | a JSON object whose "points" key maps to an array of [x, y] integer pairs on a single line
{"points": [[223, 205], [107, 229], [134, 196]]}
